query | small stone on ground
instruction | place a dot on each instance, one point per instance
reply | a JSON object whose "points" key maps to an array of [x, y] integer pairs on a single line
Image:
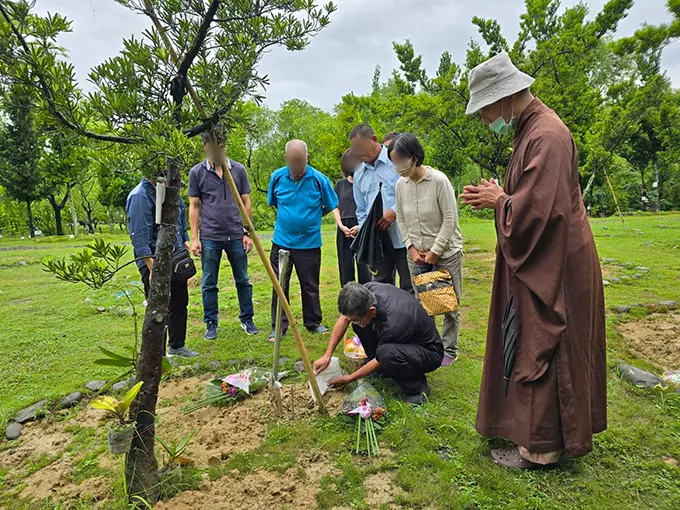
{"points": [[614, 279], [70, 400], [120, 385], [299, 366], [31, 412], [637, 376], [605, 283], [669, 304], [101, 309], [13, 431], [622, 309], [214, 365], [95, 385], [474, 249]]}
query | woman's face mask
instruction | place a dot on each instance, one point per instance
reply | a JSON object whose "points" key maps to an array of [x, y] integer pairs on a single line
{"points": [[407, 169]]}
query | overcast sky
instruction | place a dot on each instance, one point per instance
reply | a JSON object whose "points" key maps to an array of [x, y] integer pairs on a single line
{"points": [[343, 56]]}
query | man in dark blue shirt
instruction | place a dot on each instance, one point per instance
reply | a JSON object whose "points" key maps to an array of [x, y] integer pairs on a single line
{"points": [[141, 213], [212, 206], [301, 196]]}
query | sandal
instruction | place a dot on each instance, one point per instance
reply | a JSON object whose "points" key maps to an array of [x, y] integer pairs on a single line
{"points": [[509, 456]]}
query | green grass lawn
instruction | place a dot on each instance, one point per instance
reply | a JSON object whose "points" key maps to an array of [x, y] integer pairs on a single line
{"points": [[50, 330]]}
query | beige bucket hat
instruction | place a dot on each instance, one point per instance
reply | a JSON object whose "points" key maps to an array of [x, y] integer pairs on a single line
{"points": [[493, 80]]}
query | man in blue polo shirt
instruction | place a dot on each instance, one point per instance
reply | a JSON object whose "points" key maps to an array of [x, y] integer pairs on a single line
{"points": [[301, 196], [213, 208]]}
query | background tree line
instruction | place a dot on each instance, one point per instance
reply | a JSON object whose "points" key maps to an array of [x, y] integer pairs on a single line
{"points": [[612, 93]]}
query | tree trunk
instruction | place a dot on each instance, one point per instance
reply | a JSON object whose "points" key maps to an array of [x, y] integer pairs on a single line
{"points": [[29, 212], [657, 189], [141, 467], [74, 214], [90, 222], [57, 214], [112, 223]]}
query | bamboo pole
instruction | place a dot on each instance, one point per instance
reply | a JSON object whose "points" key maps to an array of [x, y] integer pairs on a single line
{"points": [[616, 202], [246, 219]]}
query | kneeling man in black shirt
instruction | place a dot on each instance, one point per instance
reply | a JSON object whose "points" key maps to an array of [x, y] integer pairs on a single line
{"points": [[399, 337]]}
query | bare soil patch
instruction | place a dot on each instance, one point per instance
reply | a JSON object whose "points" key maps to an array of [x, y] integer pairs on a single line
{"points": [[37, 439], [262, 490], [380, 489], [656, 338], [220, 433]]}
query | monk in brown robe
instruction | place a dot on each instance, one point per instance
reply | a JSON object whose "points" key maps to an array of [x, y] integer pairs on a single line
{"points": [[544, 383]]}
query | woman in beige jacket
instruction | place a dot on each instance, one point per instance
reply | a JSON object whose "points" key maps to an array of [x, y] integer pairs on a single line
{"points": [[427, 216]]}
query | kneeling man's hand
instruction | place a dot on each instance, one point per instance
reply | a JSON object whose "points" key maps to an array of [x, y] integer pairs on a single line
{"points": [[343, 380], [321, 364]]}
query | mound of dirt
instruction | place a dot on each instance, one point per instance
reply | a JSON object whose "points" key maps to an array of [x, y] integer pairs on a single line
{"points": [[655, 338], [261, 490]]}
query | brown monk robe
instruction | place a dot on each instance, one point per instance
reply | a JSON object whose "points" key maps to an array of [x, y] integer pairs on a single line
{"points": [[546, 257]]}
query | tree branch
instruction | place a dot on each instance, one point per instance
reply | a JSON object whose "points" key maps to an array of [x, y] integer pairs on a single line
{"points": [[198, 40], [49, 96]]}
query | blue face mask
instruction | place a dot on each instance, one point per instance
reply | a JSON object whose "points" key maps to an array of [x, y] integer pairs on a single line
{"points": [[501, 127]]}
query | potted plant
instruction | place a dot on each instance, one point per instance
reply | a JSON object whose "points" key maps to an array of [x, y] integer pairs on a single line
{"points": [[120, 433]]}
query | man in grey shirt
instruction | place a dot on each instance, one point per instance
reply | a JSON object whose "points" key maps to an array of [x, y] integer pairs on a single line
{"points": [[212, 206]]}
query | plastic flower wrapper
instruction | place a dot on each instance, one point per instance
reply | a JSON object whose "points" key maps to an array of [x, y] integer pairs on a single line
{"points": [[249, 380], [672, 377], [234, 387], [366, 407]]}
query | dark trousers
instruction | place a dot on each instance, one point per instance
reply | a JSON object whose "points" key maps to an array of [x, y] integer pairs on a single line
{"points": [[346, 259], [307, 265], [210, 262], [176, 324], [398, 264], [405, 364]]}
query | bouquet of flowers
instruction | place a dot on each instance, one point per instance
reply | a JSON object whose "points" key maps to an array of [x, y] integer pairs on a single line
{"points": [[222, 392], [368, 406]]}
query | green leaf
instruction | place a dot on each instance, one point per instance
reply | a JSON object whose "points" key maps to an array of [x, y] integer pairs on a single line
{"points": [[106, 362], [113, 355], [125, 404]]}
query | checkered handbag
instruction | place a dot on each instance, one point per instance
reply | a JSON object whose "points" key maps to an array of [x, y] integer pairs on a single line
{"points": [[436, 292]]}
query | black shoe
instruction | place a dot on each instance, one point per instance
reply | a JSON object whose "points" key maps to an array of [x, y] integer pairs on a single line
{"points": [[418, 399], [249, 327], [211, 331]]}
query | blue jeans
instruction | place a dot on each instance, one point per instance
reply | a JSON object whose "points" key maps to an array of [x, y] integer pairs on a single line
{"points": [[210, 262]]}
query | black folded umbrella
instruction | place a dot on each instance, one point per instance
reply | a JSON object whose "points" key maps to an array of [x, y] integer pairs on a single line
{"points": [[373, 246], [509, 341]]}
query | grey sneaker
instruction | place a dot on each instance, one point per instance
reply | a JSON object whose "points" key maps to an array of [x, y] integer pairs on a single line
{"points": [[211, 331], [182, 351], [319, 330]]}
